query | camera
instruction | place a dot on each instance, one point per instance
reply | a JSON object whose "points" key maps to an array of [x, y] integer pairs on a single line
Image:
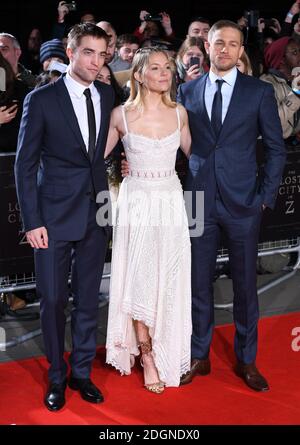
{"points": [[252, 18], [71, 6], [153, 18], [269, 22]]}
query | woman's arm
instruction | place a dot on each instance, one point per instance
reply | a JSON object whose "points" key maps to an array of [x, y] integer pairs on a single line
{"points": [[185, 134], [113, 132]]}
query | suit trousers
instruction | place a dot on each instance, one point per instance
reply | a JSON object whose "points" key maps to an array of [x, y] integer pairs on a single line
{"points": [[242, 235], [52, 267]]}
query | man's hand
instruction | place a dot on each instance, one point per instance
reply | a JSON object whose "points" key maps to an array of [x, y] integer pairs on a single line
{"points": [[124, 167], [295, 8], [264, 207], [143, 15], [38, 238], [276, 27], [63, 10], [166, 23], [242, 22], [261, 24], [8, 114]]}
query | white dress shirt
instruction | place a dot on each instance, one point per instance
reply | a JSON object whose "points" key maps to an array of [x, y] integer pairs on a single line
{"points": [[78, 99], [227, 90]]}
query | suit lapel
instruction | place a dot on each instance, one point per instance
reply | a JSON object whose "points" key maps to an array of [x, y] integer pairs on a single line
{"points": [[65, 103], [235, 105], [200, 103]]}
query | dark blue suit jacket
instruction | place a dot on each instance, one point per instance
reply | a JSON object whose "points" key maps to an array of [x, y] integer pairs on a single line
{"points": [[229, 161], [54, 176]]}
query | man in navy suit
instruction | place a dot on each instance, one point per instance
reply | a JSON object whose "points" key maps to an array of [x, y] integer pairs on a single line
{"points": [[59, 171], [227, 112]]}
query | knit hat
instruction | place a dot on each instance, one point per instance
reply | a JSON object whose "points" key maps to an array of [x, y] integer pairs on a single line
{"points": [[52, 48], [274, 53]]}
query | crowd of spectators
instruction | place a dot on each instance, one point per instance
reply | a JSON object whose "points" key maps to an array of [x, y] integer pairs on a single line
{"points": [[272, 53]]}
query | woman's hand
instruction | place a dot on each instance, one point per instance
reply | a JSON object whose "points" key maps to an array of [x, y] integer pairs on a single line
{"points": [[124, 167], [192, 73], [8, 114]]}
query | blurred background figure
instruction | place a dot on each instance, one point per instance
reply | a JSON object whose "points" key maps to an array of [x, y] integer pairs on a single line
{"points": [[158, 25], [52, 50], [11, 51], [11, 106], [126, 47], [199, 27], [31, 55], [113, 162], [244, 64], [111, 47], [281, 57], [191, 60]]}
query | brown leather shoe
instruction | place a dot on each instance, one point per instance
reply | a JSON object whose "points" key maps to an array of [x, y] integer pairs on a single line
{"points": [[15, 303], [198, 367], [251, 376]]}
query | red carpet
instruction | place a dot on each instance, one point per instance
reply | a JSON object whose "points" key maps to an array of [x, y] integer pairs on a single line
{"points": [[220, 398]]}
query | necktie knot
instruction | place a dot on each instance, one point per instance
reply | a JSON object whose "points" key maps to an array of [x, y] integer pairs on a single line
{"points": [[219, 84], [87, 93]]}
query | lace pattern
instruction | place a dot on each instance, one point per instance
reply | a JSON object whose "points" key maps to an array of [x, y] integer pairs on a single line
{"points": [[151, 264]]}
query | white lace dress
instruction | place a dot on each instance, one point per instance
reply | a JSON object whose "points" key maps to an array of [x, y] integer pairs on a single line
{"points": [[151, 260]]}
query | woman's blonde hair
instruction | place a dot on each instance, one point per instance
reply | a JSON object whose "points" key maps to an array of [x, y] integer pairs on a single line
{"points": [[138, 89], [246, 61]]}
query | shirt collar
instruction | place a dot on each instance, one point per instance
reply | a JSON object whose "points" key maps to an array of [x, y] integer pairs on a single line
{"points": [[76, 87], [229, 78]]}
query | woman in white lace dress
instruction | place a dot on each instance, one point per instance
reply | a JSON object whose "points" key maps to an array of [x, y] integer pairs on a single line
{"points": [[150, 296]]}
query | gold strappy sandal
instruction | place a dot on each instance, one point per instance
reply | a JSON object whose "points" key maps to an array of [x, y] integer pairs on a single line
{"points": [[146, 350]]}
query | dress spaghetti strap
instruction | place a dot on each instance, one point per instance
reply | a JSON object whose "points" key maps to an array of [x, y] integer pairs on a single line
{"points": [[178, 117], [124, 118]]}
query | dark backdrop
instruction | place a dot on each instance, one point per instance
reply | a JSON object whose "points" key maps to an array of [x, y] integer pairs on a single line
{"points": [[19, 17]]}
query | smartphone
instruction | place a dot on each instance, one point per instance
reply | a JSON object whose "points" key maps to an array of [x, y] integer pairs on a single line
{"points": [[296, 71], [194, 61]]}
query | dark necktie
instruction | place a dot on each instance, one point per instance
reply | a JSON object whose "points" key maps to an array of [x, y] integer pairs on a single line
{"points": [[216, 111], [91, 122]]}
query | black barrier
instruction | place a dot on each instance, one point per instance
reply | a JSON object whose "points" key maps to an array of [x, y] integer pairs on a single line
{"points": [[284, 221], [16, 256]]}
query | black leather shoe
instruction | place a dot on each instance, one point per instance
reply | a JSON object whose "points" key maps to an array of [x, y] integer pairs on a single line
{"points": [[87, 389], [55, 396], [251, 376], [198, 367]]}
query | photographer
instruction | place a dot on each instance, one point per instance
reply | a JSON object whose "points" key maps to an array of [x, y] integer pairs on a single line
{"points": [[66, 17], [62, 23], [11, 104], [154, 26], [191, 60], [257, 33]]}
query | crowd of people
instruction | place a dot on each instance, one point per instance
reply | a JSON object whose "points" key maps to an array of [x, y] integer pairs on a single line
{"points": [[88, 97]]}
